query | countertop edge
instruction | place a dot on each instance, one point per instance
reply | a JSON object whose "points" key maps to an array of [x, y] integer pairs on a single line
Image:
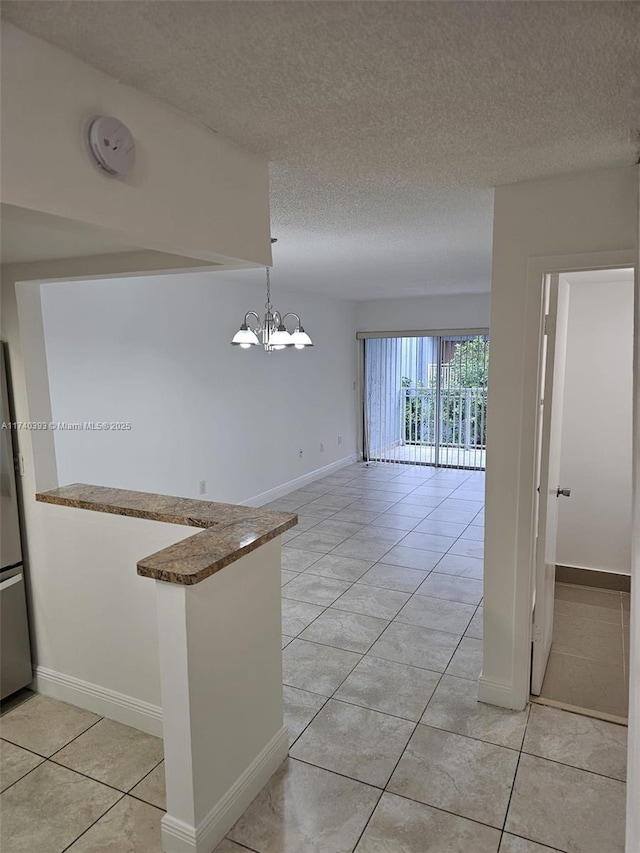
{"points": [[238, 531], [151, 567]]}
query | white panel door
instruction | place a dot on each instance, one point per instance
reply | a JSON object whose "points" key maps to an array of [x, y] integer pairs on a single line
{"points": [[550, 489]]}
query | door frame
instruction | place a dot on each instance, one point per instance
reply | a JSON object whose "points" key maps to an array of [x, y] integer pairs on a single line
{"points": [[551, 369], [518, 694]]}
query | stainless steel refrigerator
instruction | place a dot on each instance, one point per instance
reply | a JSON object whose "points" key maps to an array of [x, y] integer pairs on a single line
{"points": [[15, 651]]}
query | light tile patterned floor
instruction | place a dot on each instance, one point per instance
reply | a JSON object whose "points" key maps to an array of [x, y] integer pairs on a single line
{"points": [[390, 751], [72, 780]]}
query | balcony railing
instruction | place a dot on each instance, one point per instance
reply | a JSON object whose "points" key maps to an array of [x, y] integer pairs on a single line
{"points": [[460, 423]]}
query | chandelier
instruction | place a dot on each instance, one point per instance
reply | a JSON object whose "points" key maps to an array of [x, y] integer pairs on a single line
{"points": [[271, 332]]}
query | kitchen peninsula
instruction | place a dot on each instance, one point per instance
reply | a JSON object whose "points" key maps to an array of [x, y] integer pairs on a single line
{"points": [[219, 643]]}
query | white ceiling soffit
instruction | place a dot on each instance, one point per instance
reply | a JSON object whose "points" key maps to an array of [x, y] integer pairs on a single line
{"points": [[386, 123], [27, 236]]}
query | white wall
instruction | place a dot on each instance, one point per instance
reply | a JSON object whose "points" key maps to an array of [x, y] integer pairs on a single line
{"points": [[191, 192], [93, 617], [81, 577], [594, 524], [222, 712], [565, 223], [425, 313], [155, 352]]}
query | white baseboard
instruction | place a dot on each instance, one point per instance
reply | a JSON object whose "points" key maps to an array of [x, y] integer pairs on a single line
{"points": [[101, 700], [180, 837], [496, 693], [299, 482]]}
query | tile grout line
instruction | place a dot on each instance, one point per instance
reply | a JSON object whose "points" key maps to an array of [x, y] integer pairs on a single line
{"points": [[155, 767], [300, 733], [123, 793], [46, 758], [86, 776], [511, 789], [50, 757], [84, 832], [241, 846], [28, 773], [573, 766], [524, 838], [367, 822], [334, 698], [26, 748]]}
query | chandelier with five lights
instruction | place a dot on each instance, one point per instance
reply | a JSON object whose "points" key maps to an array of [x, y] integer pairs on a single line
{"points": [[271, 332]]}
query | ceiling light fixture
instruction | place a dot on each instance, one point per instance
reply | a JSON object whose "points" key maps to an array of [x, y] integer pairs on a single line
{"points": [[271, 332]]}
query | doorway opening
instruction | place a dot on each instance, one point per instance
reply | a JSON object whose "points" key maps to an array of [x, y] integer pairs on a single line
{"points": [[425, 399], [582, 575]]}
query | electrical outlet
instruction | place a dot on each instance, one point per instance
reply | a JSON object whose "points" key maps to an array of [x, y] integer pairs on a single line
{"points": [[300, 453], [321, 447], [339, 439], [354, 385], [203, 487]]}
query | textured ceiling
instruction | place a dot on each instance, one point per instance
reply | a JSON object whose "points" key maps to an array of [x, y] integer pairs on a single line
{"points": [[386, 123]]}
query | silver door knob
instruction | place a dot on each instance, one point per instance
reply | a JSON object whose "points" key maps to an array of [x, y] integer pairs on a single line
{"points": [[566, 493]]}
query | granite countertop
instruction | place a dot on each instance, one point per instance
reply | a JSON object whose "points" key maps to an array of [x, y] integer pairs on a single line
{"points": [[231, 530]]}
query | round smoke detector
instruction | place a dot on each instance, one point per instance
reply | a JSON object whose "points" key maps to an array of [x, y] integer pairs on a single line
{"points": [[111, 145]]}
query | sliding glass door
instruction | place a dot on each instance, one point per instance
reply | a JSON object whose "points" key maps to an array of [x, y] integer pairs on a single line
{"points": [[425, 399]]}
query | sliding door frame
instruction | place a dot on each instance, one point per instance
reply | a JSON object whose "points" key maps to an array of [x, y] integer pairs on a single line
{"points": [[428, 333], [437, 421], [413, 333]]}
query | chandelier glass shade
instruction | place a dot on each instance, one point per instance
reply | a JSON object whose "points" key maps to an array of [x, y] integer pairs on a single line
{"points": [[270, 332]]}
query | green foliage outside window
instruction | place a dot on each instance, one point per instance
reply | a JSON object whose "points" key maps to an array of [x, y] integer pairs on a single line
{"points": [[463, 399]]}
